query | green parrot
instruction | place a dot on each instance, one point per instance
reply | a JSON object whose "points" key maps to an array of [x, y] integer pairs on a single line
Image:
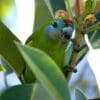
{"points": [[57, 38], [50, 39], [46, 36]]}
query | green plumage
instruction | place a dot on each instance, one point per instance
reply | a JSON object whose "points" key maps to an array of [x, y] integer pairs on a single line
{"points": [[55, 49], [39, 39]]}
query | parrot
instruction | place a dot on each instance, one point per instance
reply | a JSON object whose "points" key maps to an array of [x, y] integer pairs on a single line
{"points": [[53, 38], [55, 34]]}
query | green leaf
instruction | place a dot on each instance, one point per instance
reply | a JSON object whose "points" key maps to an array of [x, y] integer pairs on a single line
{"points": [[79, 95], [68, 6], [2, 68], [41, 93], [68, 53], [20, 92], [81, 54], [48, 3], [70, 12], [93, 27], [9, 51], [82, 42], [28, 76], [42, 14], [6, 66], [46, 71]]}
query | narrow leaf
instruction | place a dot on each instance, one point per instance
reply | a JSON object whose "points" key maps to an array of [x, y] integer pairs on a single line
{"points": [[69, 9], [79, 95], [81, 54], [2, 68], [42, 14], [6, 66], [70, 12], [93, 27], [46, 71], [68, 53], [48, 3], [8, 49]]}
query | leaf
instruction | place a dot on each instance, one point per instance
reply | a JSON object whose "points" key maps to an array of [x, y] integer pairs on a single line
{"points": [[41, 93], [81, 54], [45, 11], [70, 12], [68, 6], [28, 76], [93, 27], [48, 3], [1, 68], [46, 71], [20, 92], [96, 44], [79, 95], [42, 14], [9, 51], [68, 53], [82, 42], [6, 66]]}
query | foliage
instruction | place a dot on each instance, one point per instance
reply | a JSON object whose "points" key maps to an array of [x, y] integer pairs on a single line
{"points": [[42, 62]]}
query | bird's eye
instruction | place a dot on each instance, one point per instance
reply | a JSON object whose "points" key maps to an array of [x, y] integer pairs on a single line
{"points": [[55, 25]]}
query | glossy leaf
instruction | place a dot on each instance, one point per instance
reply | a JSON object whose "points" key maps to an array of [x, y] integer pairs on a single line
{"points": [[8, 49], [79, 95], [20, 92], [46, 71]]}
